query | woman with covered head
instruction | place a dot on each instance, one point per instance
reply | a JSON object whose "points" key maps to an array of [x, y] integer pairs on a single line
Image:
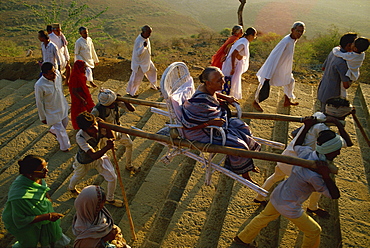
{"points": [[93, 224], [80, 94], [237, 63], [222, 52], [207, 107], [28, 213]]}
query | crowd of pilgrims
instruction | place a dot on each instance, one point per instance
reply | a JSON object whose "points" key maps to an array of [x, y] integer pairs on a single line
{"points": [[28, 213]]}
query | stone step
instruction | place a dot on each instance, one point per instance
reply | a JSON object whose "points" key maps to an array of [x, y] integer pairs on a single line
{"points": [[171, 206]]}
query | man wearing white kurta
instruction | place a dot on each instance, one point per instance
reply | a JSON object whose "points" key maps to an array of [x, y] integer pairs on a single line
{"points": [[84, 50], [141, 63], [48, 49], [58, 38], [237, 62], [51, 104], [277, 69]]}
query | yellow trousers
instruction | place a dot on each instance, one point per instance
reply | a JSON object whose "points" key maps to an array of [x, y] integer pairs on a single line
{"points": [[305, 223]]}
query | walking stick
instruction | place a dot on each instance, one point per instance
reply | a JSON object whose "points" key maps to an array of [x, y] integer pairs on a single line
{"points": [[362, 130], [124, 195]]}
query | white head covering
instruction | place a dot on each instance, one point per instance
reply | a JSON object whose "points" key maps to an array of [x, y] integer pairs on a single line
{"points": [[90, 223], [331, 145], [106, 97]]}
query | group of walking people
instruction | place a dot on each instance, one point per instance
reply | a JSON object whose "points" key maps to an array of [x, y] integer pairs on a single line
{"points": [[221, 83], [29, 214]]}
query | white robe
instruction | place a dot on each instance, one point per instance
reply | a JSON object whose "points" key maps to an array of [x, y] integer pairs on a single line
{"points": [[241, 66], [278, 66], [62, 49], [141, 55], [51, 103], [84, 50], [354, 62], [52, 106], [50, 53]]}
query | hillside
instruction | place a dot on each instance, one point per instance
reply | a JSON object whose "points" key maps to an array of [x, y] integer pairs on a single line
{"points": [[277, 15], [176, 18], [121, 21]]}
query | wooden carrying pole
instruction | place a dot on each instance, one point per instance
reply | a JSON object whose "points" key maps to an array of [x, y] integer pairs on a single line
{"points": [[212, 148], [142, 102], [276, 117], [362, 130], [132, 227], [249, 115]]}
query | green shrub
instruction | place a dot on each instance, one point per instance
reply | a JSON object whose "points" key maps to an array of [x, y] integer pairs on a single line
{"points": [[262, 47], [226, 32], [303, 55], [10, 49], [323, 43]]}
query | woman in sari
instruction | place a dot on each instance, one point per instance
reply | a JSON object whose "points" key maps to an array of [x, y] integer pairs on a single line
{"points": [[207, 108], [222, 52], [80, 94], [93, 224], [28, 213], [237, 63]]}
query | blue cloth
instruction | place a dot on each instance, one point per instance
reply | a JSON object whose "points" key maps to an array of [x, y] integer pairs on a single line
{"points": [[201, 108], [227, 85], [334, 74]]}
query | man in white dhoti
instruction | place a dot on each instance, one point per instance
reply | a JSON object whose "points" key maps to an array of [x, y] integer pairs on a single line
{"points": [[84, 50], [237, 62], [52, 105], [58, 38], [141, 63], [277, 69]]}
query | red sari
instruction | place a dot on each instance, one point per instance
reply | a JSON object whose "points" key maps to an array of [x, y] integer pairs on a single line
{"points": [[217, 58], [77, 85]]}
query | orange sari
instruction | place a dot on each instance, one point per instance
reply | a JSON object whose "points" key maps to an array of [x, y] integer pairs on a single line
{"points": [[217, 59]]}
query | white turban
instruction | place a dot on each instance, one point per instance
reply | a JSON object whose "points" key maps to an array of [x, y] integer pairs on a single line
{"points": [[331, 145], [106, 97]]}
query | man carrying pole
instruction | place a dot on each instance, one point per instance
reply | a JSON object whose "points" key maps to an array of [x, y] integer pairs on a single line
{"points": [[288, 196]]}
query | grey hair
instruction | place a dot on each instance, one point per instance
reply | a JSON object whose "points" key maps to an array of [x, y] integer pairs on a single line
{"points": [[298, 24], [235, 29], [204, 76]]}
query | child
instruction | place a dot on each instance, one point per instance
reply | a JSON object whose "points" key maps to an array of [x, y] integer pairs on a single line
{"points": [[107, 110], [354, 59], [88, 157]]}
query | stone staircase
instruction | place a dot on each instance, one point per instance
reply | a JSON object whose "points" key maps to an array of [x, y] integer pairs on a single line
{"points": [[170, 204]]}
